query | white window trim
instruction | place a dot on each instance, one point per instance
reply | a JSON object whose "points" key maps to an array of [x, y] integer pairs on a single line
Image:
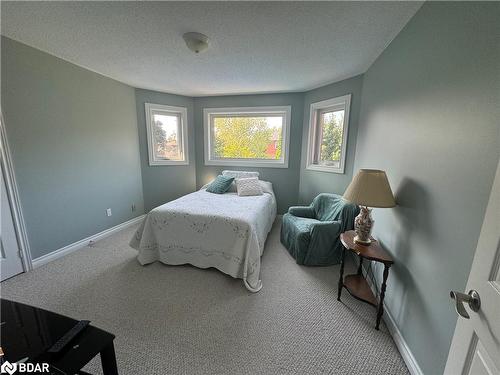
{"points": [[153, 161], [283, 110], [341, 102]]}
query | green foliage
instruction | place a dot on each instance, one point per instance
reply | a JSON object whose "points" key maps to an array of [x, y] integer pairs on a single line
{"points": [[165, 147], [279, 146], [160, 138], [245, 137], [331, 145]]}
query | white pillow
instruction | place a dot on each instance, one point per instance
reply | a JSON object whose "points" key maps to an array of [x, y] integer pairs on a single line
{"points": [[240, 174], [267, 187], [248, 186]]}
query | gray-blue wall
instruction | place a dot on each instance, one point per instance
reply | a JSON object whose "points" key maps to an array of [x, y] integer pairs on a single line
{"points": [[163, 183], [75, 150], [285, 180], [314, 182], [429, 117]]}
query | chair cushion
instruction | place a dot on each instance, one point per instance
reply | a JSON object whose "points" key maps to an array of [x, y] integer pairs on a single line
{"points": [[302, 224]]}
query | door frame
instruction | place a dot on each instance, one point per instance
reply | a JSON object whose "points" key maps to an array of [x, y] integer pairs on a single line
{"points": [[14, 200]]}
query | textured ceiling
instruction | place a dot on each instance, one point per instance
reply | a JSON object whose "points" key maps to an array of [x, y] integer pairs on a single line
{"points": [[255, 46]]}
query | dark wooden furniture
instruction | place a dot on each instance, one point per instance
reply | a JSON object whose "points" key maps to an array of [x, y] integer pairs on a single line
{"points": [[28, 332], [356, 284]]}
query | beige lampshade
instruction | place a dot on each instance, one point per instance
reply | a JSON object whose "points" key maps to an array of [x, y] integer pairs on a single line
{"points": [[370, 188]]}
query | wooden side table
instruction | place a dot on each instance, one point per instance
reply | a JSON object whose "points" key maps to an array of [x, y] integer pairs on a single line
{"points": [[356, 284]]}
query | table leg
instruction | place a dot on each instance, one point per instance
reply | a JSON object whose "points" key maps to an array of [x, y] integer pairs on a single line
{"points": [[382, 295], [341, 279], [360, 267], [108, 360]]}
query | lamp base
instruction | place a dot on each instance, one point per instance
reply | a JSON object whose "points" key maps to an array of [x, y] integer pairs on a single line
{"points": [[362, 242], [363, 224]]}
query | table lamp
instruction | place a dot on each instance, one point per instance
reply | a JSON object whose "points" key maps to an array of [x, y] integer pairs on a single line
{"points": [[369, 188]]}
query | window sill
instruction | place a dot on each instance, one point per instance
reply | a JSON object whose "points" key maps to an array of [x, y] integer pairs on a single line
{"points": [[249, 163], [323, 168], [159, 163]]}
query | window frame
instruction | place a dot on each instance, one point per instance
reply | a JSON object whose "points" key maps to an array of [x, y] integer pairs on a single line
{"points": [[150, 108], [209, 113], [333, 104]]}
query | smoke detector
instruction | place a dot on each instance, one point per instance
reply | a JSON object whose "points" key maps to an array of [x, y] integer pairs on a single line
{"points": [[196, 42]]}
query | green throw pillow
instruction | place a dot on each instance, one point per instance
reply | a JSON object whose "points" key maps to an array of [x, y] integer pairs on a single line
{"points": [[220, 185]]}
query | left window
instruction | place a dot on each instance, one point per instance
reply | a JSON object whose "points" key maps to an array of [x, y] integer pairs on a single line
{"points": [[167, 134]]}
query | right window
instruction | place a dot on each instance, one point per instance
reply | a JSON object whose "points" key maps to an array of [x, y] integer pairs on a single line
{"points": [[328, 128]]}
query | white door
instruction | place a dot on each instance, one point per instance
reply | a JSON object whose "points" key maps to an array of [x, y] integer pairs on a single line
{"points": [[475, 348], [10, 260]]}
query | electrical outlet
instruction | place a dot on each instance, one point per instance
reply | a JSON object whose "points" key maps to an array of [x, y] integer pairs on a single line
{"points": [[108, 212], [133, 207]]}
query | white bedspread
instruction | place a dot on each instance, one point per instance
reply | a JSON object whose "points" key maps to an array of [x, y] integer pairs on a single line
{"points": [[224, 231]]}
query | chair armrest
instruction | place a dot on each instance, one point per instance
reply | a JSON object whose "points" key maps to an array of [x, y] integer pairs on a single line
{"points": [[324, 243], [302, 211], [330, 227]]}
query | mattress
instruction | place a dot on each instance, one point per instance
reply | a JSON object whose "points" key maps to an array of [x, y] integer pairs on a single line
{"points": [[224, 231]]}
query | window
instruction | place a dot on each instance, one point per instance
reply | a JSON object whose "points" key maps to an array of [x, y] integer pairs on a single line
{"points": [[253, 136], [167, 134], [328, 125]]}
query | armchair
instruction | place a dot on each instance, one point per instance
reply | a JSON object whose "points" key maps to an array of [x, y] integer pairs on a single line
{"points": [[311, 233]]}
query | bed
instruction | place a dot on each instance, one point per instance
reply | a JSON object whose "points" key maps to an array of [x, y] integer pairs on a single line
{"points": [[224, 231]]}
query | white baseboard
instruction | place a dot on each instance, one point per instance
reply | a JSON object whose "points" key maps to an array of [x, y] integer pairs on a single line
{"points": [[83, 243], [398, 338], [401, 344]]}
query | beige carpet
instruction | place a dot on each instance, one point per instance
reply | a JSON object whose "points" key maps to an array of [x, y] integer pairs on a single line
{"points": [[183, 320]]}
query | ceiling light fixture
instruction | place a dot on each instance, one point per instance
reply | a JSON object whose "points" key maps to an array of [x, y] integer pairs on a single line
{"points": [[196, 42]]}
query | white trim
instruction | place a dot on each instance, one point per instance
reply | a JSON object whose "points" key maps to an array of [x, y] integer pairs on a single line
{"points": [[341, 102], [283, 110], [182, 112], [83, 243], [398, 338], [401, 344], [14, 198]]}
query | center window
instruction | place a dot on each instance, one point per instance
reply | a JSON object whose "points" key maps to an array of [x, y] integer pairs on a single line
{"points": [[247, 136]]}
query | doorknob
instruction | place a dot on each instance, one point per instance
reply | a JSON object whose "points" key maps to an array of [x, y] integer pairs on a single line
{"points": [[472, 298]]}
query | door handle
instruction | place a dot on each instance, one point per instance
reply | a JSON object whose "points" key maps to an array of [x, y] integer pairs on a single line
{"points": [[472, 298]]}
